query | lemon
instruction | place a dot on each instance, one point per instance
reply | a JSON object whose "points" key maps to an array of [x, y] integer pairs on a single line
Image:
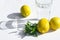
{"points": [[43, 25], [55, 23], [25, 10]]}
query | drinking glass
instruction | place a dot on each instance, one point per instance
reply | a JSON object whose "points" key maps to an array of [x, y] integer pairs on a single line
{"points": [[43, 8]]}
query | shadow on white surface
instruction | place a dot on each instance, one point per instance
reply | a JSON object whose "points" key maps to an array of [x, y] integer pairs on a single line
{"points": [[9, 24], [4, 25], [19, 31], [0, 27], [50, 31], [21, 34], [14, 16]]}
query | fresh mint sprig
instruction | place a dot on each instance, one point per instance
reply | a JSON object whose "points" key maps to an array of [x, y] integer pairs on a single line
{"points": [[31, 28]]}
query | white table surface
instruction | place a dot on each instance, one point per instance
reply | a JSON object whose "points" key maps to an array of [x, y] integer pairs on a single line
{"points": [[9, 9]]}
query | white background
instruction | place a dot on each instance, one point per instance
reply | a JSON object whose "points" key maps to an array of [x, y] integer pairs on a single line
{"points": [[8, 7]]}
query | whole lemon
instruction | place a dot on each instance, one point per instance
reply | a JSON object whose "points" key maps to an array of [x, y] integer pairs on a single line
{"points": [[25, 10], [55, 23], [43, 25]]}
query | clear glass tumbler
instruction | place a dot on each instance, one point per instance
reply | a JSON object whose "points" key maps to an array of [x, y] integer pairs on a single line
{"points": [[43, 8]]}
